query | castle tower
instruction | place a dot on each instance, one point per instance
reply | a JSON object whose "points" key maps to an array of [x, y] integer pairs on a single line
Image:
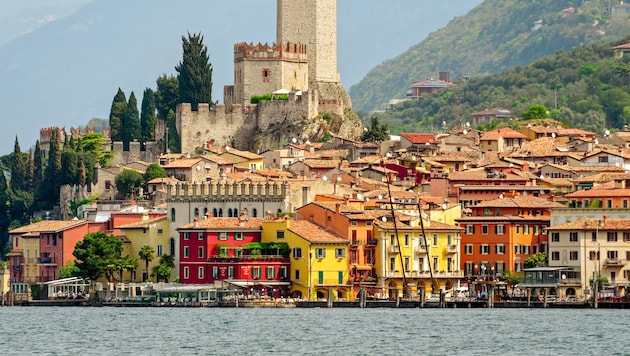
{"points": [[314, 23]]}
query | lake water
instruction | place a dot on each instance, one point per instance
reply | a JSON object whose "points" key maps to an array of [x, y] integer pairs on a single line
{"points": [[297, 331]]}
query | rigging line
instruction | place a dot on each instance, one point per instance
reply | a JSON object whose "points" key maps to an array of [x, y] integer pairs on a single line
{"points": [[426, 245], [391, 206]]}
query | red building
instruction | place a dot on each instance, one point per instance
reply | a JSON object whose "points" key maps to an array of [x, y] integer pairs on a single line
{"points": [[230, 250], [500, 234]]}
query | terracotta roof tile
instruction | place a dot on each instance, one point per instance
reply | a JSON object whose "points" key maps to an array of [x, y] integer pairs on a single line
{"points": [[419, 138], [48, 226], [141, 224], [599, 193], [593, 225], [314, 233], [519, 202], [212, 223]]}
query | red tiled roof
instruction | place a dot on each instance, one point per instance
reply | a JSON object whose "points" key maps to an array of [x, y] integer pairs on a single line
{"points": [[519, 202], [505, 132], [599, 193], [314, 233], [141, 224], [212, 223], [419, 138], [593, 225]]}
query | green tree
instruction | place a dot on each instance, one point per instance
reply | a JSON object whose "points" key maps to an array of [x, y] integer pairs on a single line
{"points": [[131, 122], [69, 167], [98, 254], [537, 260], [38, 167], [146, 254], [535, 112], [376, 132], [195, 72], [69, 270], [127, 182], [18, 168], [164, 269], [93, 143], [153, 171], [166, 99], [116, 114], [128, 264], [147, 117], [30, 172], [49, 189]]}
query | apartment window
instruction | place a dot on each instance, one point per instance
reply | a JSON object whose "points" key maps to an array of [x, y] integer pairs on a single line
{"points": [[238, 252], [484, 229], [594, 236], [186, 235], [525, 229], [518, 267], [517, 249], [280, 234], [449, 239], [297, 252], [407, 264], [470, 229], [435, 240], [172, 214], [625, 203], [284, 272], [626, 237], [435, 263], [230, 271], [320, 252], [573, 255], [200, 273], [392, 264], [354, 223], [484, 249], [223, 236], [215, 272], [468, 249], [555, 255], [609, 203], [406, 240], [340, 252], [555, 237], [535, 229], [186, 273], [593, 255], [200, 251], [239, 236], [160, 250], [573, 236], [612, 255], [526, 249], [543, 247], [518, 229], [160, 231], [612, 236], [500, 229], [270, 272], [186, 251], [500, 249], [200, 236]]}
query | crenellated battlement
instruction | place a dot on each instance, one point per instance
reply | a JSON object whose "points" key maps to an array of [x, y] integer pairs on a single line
{"points": [[287, 51], [221, 191]]}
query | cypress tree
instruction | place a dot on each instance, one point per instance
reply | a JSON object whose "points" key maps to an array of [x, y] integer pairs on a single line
{"points": [[147, 117], [30, 171], [195, 72], [38, 167], [131, 122], [52, 176], [18, 168], [116, 113]]}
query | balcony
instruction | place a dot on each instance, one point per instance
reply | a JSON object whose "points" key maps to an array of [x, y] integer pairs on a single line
{"points": [[248, 258], [355, 243], [372, 242], [47, 261], [421, 250], [614, 263], [393, 249], [451, 249]]}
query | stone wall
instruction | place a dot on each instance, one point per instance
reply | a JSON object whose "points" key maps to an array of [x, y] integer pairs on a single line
{"points": [[196, 128]]}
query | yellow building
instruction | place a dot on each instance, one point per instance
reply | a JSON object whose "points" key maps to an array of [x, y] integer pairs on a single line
{"points": [[30, 253], [319, 259], [152, 232], [243, 160], [408, 260], [5, 285]]}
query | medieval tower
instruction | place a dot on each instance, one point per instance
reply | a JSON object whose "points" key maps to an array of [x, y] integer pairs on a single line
{"points": [[314, 23]]}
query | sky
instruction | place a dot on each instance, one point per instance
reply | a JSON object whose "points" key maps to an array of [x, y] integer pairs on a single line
{"points": [[62, 61]]}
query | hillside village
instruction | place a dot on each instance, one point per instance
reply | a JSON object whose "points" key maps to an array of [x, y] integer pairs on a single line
{"points": [[414, 215]]}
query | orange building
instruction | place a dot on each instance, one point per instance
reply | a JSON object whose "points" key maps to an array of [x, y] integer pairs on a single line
{"points": [[501, 234], [600, 198]]}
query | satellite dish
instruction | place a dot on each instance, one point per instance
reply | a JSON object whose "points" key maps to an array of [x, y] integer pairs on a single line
{"points": [[529, 125], [596, 141], [294, 140], [465, 132], [606, 132], [444, 206], [384, 218], [325, 179], [553, 135], [308, 142], [198, 168], [360, 196], [500, 196], [467, 124], [380, 196], [338, 179], [367, 199], [228, 148]]}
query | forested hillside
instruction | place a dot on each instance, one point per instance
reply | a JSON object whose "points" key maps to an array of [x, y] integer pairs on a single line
{"points": [[495, 36], [586, 88]]}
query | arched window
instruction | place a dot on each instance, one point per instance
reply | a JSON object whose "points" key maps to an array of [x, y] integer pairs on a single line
{"points": [[255, 213], [235, 212], [229, 213], [196, 212], [173, 214], [279, 210], [171, 247], [220, 212], [214, 212], [205, 211]]}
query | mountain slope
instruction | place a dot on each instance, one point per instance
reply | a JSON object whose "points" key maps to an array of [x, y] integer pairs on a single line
{"points": [[493, 37]]}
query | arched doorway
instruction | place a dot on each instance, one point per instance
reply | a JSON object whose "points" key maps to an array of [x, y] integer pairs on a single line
{"points": [[296, 294], [570, 292], [393, 291]]}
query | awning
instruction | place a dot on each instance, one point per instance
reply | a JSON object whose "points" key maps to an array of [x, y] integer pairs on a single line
{"points": [[246, 284], [281, 91]]}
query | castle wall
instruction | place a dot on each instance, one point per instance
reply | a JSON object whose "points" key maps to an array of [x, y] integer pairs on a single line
{"points": [[196, 128], [314, 23]]}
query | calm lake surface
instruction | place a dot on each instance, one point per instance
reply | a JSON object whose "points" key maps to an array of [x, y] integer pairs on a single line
{"points": [[297, 331]]}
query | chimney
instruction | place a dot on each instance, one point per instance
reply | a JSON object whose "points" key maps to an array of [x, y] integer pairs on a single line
{"points": [[196, 222], [337, 208]]}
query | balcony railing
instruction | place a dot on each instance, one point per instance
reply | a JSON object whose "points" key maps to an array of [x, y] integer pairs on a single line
{"points": [[614, 262], [355, 243], [427, 274], [50, 261], [326, 282], [372, 242], [421, 250], [249, 258], [451, 249], [393, 249]]}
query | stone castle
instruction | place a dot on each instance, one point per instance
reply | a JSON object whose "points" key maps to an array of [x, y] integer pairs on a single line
{"points": [[302, 63]]}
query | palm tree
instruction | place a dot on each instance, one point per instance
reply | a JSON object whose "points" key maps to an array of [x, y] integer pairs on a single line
{"points": [[165, 268], [146, 254]]}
